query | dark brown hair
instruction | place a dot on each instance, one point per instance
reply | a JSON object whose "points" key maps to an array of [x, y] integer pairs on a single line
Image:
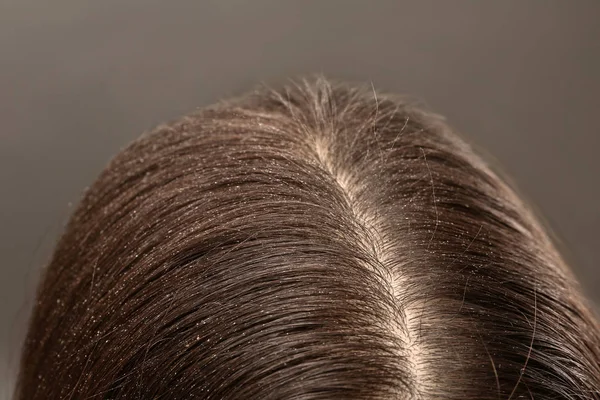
{"points": [[316, 242]]}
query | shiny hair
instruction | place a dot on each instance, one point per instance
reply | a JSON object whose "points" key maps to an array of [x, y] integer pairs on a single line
{"points": [[318, 241]]}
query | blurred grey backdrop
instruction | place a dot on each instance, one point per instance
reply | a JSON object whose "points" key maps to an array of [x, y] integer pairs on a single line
{"points": [[81, 79]]}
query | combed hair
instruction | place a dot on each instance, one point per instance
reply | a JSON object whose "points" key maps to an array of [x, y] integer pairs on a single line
{"points": [[318, 241]]}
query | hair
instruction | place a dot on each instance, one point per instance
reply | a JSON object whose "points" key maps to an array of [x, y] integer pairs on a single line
{"points": [[318, 241]]}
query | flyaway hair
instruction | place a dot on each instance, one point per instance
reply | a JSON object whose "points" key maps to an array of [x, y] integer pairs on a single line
{"points": [[317, 241]]}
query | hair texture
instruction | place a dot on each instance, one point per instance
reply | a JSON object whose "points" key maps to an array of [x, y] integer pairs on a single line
{"points": [[318, 241]]}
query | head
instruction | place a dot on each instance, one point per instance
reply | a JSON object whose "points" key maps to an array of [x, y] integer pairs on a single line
{"points": [[319, 241]]}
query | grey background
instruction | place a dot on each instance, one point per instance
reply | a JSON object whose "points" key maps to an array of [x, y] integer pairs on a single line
{"points": [[80, 79]]}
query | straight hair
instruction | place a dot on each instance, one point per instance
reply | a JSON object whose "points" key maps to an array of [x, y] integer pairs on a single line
{"points": [[316, 241]]}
